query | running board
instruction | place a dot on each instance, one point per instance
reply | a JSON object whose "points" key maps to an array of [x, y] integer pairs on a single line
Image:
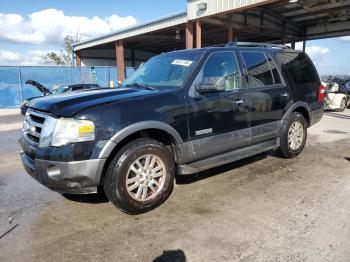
{"points": [[228, 157]]}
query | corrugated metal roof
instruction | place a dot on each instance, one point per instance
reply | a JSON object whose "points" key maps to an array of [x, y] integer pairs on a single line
{"points": [[219, 6], [157, 24]]}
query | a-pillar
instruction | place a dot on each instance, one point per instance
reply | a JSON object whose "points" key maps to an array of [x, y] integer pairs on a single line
{"points": [[229, 28], [119, 51], [198, 34], [189, 35]]}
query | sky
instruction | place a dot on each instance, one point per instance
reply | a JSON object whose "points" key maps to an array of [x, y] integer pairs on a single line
{"points": [[31, 28]]}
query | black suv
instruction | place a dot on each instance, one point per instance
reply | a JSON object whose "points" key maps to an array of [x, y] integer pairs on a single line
{"points": [[180, 113]]}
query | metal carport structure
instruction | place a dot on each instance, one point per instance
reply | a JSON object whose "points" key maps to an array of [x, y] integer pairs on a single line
{"points": [[211, 22]]}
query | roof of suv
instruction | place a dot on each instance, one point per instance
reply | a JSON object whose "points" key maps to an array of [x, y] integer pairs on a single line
{"points": [[272, 48], [265, 46]]}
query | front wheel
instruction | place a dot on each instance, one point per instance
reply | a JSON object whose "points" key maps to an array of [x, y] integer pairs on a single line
{"points": [[140, 177], [293, 136]]}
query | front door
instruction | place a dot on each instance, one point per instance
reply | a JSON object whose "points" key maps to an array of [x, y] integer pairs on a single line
{"points": [[218, 121]]}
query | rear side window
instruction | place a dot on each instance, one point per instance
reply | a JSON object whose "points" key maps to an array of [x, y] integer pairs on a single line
{"points": [[258, 69], [300, 68]]}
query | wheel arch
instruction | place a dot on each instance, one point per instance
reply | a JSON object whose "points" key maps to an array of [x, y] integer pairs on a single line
{"points": [[152, 129], [302, 108]]}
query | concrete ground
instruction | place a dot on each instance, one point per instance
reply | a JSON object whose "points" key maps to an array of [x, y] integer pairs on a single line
{"points": [[259, 209]]}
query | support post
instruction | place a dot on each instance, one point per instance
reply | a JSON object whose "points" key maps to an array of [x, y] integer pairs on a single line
{"points": [[293, 44], [189, 35], [304, 38], [229, 28], [198, 34], [283, 38], [133, 57], [119, 51], [77, 60], [20, 83]]}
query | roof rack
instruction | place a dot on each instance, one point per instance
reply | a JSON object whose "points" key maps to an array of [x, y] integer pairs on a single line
{"points": [[254, 44], [218, 45]]}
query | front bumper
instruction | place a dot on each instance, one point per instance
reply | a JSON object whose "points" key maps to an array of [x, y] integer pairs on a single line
{"points": [[76, 177]]}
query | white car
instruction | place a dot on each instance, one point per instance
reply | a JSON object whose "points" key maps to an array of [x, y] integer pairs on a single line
{"points": [[333, 99]]}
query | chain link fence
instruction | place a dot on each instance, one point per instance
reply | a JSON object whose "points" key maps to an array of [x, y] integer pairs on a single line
{"points": [[13, 89]]}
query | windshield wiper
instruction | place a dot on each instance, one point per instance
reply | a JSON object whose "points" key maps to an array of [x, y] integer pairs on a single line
{"points": [[141, 85]]}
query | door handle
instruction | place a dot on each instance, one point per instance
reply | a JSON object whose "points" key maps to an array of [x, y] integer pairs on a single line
{"points": [[285, 95], [239, 102]]}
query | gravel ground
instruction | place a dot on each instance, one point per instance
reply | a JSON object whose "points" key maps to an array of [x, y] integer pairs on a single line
{"points": [[259, 209]]}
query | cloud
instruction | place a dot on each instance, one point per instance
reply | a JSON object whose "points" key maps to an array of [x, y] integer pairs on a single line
{"points": [[52, 25], [32, 57], [9, 56], [345, 38], [317, 53]]}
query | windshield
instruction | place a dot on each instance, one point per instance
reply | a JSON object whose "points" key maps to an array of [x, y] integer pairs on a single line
{"points": [[169, 70]]}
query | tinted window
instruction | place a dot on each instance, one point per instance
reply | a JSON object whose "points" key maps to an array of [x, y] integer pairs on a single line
{"points": [[300, 68], [274, 70], [258, 69], [221, 68]]}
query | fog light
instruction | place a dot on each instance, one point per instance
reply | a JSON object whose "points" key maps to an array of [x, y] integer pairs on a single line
{"points": [[54, 172]]}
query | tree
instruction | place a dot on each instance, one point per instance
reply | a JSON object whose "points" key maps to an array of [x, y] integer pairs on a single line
{"points": [[53, 58], [65, 56]]}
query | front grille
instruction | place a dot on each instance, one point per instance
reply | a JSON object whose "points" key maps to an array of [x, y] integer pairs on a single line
{"points": [[33, 124]]}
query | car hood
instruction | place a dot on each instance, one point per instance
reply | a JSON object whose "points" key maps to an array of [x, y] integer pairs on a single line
{"points": [[69, 104], [42, 89]]}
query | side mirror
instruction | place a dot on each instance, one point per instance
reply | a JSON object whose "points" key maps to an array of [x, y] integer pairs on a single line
{"points": [[211, 84]]}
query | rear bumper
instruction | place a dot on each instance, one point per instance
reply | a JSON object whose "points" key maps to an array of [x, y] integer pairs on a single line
{"points": [[77, 177]]}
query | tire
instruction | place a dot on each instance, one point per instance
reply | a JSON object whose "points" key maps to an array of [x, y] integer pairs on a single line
{"points": [[342, 105], [124, 167], [286, 149]]}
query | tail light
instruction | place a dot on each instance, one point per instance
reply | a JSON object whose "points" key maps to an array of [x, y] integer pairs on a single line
{"points": [[321, 93]]}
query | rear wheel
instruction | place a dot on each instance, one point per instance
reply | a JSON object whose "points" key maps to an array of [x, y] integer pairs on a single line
{"points": [[140, 177], [342, 105], [293, 136]]}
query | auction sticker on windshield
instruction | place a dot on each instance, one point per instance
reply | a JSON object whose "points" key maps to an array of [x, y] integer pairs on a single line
{"points": [[181, 62]]}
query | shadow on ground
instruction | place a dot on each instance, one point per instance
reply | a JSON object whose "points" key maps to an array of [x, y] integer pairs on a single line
{"points": [[101, 198], [337, 115], [98, 198], [171, 256]]}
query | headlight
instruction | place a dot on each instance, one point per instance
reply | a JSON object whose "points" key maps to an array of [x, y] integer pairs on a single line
{"points": [[59, 132]]}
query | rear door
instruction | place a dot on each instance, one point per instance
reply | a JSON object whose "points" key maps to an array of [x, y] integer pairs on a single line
{"points": [[218, 121], [266, 95]]}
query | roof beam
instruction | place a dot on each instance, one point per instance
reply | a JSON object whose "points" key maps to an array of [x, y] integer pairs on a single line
{"points": [[328, 30], [279, 16], [326, 8]]}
